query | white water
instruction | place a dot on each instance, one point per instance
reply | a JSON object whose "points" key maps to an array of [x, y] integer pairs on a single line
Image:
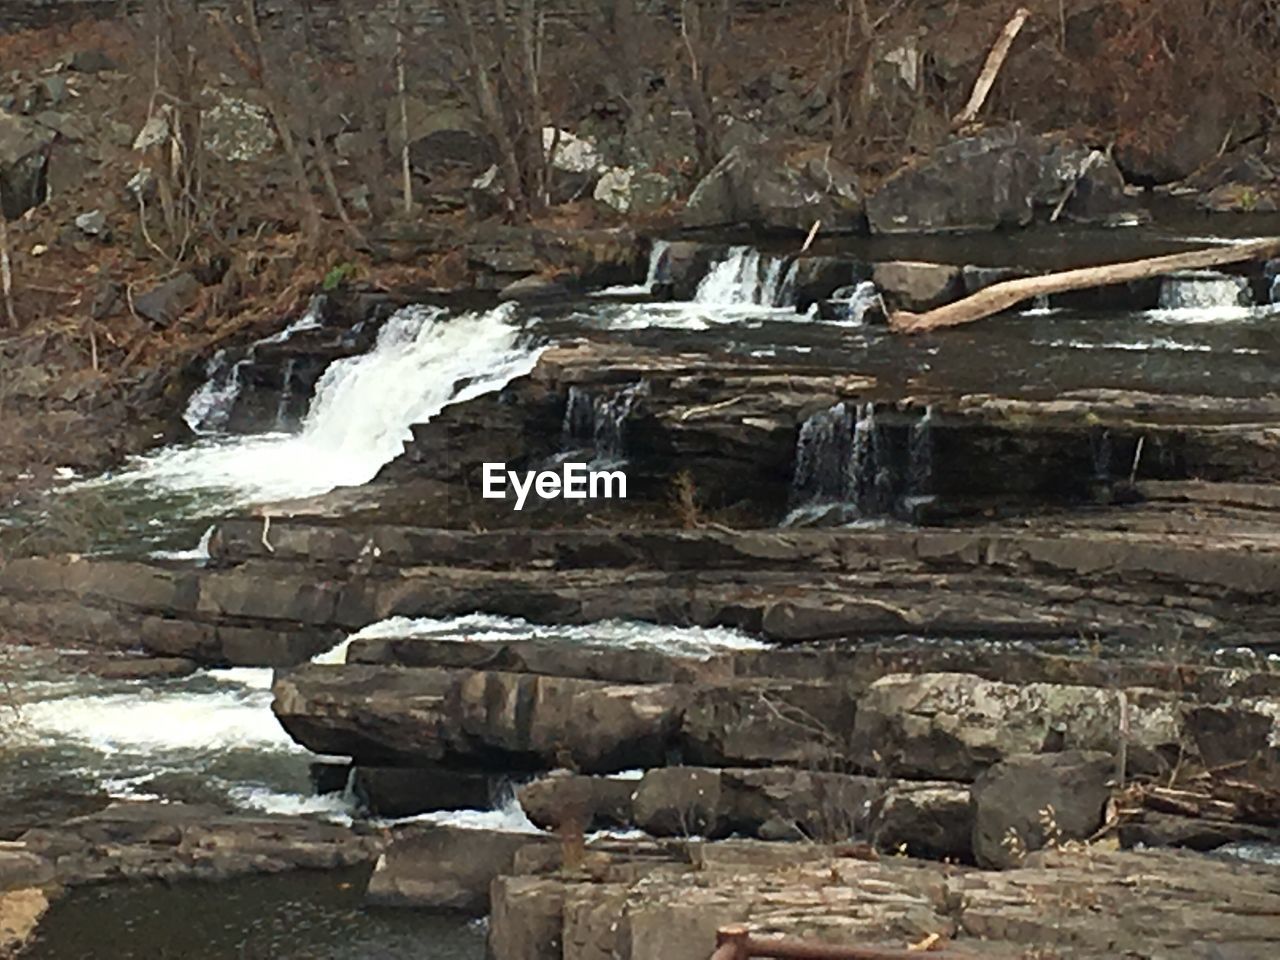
{"points": [[746, 277], [360, 415], [485, 628]]}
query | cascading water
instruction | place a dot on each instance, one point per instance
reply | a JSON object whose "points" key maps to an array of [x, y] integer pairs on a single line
{"points": [[209, 407], [601, 421], [1204, 296], [360, 415], [920, 457], [842, 461], [745, 277]]}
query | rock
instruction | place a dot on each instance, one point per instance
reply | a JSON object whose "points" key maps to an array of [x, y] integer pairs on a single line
{"points": [[1027, 802], [410, 716], [91, 60], [629, 191], [20, 913], [140, 668], [771, 189], [1153, 829], [592, 803], [569, 153], [996, 178], [237, 130], [164, 304], [408, 791], [55, 88], [979, 278], [818, 278], [93, 223], [20, 869], [1243, 738], [437, 867], [24, 156], [912, 285], [934, 821], [443, 139], [680, 802], [1169, 152], [953, 726], [533, 288], [173, 841], [681, 266], [856, 304]]}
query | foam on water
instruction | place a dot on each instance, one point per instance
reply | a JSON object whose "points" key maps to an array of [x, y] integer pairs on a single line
{"points": [[683, 641], [360, 415], [169, 721]]}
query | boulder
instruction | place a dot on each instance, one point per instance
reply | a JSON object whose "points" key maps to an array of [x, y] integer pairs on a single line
{"points": [[445, 139], [681, 266], [765, 186], [594, 803], [533, 288], [237, 130], [817, 278], [955, 725], [399, 716], [913, 285], [20, 913], [1030, 801], [438, 867], [164, 304], [408, 791], [997, 178], [929, 820], [628, 190], [1243, 738], [680, 802], [24, 158]]}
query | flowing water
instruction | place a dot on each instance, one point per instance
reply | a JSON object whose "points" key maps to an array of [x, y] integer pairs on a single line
{"points": [[211, 736]]}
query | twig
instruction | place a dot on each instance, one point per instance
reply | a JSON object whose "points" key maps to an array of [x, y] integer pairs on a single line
{"points": [[813, 232], [1137, 457]]}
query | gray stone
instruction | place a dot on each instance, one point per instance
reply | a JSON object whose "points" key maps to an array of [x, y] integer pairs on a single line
{"points": [[913, 285], [439, 867], [680, 802], [93, 223], [771, 189], [24, 155], [237, 130], [164, 304], [1030, 801], [534, 287]]}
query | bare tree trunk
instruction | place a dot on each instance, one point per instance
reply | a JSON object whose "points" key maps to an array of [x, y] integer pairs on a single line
{"points": [[1002, 296], [987, 77], [405, 171], [6, 267]]}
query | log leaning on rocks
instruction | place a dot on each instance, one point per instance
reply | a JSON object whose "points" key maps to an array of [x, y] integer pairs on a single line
{"points": [[1002, 296]]}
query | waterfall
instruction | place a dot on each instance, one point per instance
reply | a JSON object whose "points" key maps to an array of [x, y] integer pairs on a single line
{"points": [[744, 277], [842, 459], [286, 396], [361, 413], [210, 406], [601, 421], [920, 457], [851, 304]]}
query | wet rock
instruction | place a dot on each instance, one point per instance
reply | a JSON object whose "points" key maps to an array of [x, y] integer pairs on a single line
{"points": [[1030, 801], [770, 189], [164, 304], [979, 278], [24, 154], [408, 791], [439, 867], [1154, 829], [174, 841], [818, 278], [954, 726], [141, 668], [912, 285], [533, 288], [592, 803], [682, 265]]}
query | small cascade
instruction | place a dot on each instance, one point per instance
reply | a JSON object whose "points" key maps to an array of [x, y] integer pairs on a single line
{"points": [[601, 421], [209, 408], [920, 457], [286, 397], [745, 277], [855, 305], [657, 259], [1204, 290], [843, 460]]}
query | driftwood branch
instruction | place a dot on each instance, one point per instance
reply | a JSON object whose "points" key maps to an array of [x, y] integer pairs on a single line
{"points": [[1002, 296], [995, 60]]}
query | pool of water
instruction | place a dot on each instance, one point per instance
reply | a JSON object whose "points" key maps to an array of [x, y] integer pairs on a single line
{"points": [[296, 916]]}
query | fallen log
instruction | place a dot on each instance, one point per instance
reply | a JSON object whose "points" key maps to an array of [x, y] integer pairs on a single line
{"points": [[1002, 296], [987, 76]]}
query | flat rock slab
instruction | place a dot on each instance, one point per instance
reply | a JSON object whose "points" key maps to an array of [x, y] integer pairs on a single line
{"points": [[1087, 903]]}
